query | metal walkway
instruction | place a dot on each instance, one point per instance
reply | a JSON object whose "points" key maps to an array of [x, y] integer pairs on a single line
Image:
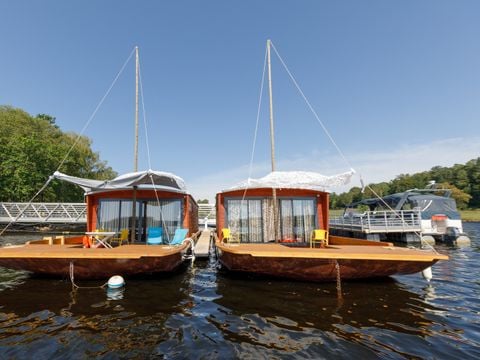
{"points": [[202, 247], [59, 213], [207, 215], [72, 213]]}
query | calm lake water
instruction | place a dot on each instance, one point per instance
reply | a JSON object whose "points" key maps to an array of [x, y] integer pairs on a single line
{"points": [[201, 313]]}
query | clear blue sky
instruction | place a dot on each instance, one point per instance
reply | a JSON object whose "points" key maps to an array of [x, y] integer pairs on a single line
{"points": [[397, 83]]}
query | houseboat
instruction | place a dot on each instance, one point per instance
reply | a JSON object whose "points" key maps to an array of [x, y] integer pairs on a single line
{"points": [[276, 227], [137, 224]]}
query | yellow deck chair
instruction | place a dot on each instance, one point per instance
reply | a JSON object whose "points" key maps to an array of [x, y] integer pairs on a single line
{"points": [[123, 237], [227, 236], [319, 236]]}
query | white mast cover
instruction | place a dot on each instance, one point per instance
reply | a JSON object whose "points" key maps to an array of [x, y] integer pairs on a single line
{"points": [[142, 179], [295, 180]]}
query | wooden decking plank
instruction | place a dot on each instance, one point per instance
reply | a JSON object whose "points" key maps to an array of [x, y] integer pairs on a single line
{"points": [[202, 247], [334, 252], [57, 251]]}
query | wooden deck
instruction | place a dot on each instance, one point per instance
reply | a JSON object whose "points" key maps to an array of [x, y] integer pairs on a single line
{"points": [[135, 251], [333, 252]]}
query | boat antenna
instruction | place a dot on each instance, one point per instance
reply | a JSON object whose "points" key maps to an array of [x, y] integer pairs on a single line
{"points": [[272, 139]]}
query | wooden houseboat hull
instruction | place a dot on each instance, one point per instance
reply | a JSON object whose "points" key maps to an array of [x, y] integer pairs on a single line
{"points": [[357, 260], [320, 270], [127, 260]]}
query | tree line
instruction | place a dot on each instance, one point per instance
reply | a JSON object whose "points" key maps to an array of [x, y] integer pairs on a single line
{"points": [[32, 148], [462, 179]]}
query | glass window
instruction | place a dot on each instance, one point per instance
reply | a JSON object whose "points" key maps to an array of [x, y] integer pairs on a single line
{"points": [[116, 214], [253, 219]]}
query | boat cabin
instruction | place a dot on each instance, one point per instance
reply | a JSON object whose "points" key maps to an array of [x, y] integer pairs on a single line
{"points": [[249, 214], [158, 200]]}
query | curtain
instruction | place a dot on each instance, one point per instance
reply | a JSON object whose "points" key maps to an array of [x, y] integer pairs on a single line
{"points": [[253, 220], [108, 219], [268, 220], [244, 218], [286, 212]]}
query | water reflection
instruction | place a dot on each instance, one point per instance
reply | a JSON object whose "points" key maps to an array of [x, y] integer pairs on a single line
{"points": [[201, 313], [55, 320]]}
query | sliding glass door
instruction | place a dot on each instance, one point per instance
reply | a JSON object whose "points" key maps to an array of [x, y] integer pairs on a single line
{"points": [[116, 214], [253, 219]]}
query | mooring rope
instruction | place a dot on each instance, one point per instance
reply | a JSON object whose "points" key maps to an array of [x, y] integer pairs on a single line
{"points": [[339, 281], [192, 244]]}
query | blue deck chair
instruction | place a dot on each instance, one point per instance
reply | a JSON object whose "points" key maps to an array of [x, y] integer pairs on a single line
{"points": [[179, 236], [154, 236]]}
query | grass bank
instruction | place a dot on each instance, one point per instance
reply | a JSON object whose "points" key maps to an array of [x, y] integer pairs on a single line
{"points": [[470, 215]]}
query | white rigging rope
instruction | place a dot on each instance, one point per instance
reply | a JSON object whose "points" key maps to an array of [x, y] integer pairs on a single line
{"points": [[96, 110], [256, 124], [312, 109], [50, 178], [323, 127], [162, 220], [144, 117]]}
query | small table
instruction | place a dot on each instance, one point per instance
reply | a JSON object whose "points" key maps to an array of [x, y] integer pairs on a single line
{"points": [[102, 237]]}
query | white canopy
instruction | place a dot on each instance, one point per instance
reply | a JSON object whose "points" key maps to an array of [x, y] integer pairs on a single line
{"points": [[142, 179], [295, 180]]}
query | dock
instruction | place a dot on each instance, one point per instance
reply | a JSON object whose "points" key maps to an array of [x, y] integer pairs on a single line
{"points": [[202, 247]]}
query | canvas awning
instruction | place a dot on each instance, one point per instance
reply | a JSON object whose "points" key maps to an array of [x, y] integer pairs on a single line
{"points": [[295, 180], [148, 179]]}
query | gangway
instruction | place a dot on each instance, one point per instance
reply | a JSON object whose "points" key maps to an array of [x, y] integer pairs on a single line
{"points": [[206, 215], [55, 213]]}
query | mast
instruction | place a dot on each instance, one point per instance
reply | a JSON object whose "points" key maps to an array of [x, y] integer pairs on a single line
{"points": [[135, 158], [272, 141], [272, 134]]}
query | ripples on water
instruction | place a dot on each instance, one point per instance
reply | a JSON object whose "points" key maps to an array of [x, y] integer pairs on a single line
{"points": [[203, 313]]}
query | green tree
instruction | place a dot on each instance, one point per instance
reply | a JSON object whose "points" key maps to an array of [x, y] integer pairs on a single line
{"points": [[464, 180], [461, 197], [31, 149]]}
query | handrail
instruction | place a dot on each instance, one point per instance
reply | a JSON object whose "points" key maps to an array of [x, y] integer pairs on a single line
{"points": [[379, 221], [43, 212]]}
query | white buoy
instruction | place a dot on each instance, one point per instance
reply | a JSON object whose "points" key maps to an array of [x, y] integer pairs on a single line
{"points": [[116, 282], [427, 273]]}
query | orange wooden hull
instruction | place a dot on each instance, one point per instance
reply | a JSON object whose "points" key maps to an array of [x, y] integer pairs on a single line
{"points": [[88, 263], [95, 268], [320, 265], [320, 270]]}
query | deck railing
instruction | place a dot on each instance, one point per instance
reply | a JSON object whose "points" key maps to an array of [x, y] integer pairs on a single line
{"points": [[63, 213], [43, 212], [206, 214], [379, 221]]}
